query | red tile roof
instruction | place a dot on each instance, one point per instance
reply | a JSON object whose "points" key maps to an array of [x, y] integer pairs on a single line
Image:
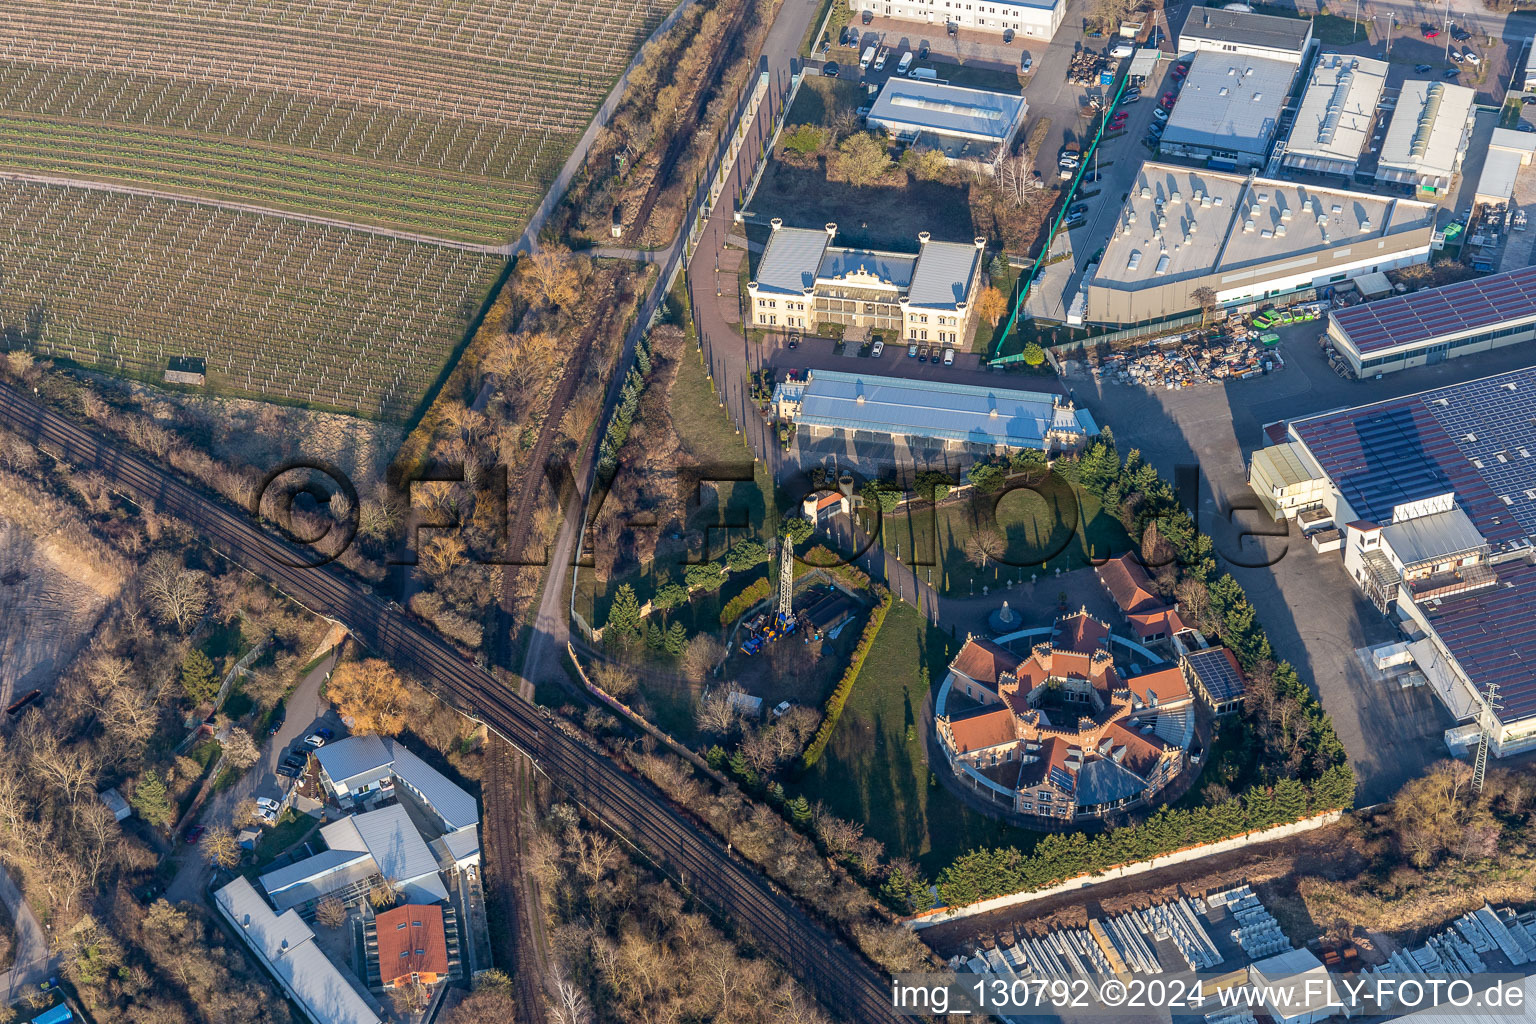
{"points": [[1141, 752], [1163, 621], [411, 941], [1166, 684], [1080, 632], [984, 661], [1052, 754], [1129, 584], [979, 732]]}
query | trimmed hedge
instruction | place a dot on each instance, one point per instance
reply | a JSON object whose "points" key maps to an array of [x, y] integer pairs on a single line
{"points": [[834, 705], [983, 874], [754, 593]]}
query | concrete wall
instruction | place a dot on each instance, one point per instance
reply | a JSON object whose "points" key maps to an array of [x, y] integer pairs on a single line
{"points": [[933, 917]]}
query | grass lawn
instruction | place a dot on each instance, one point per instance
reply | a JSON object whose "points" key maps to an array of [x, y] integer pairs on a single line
{"points": [[1058, 526], [875, 769], [290, 828]]}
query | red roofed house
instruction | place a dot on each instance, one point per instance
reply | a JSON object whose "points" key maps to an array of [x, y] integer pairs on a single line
{"points": [[1131, 588], [413, 946], [819, 507], [1061, 734]]}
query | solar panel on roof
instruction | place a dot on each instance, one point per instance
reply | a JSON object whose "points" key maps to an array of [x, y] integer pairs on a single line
{"points": [[1216, 675], [1466, 305]]}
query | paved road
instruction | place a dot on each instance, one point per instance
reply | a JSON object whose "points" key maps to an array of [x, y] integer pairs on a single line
{"points": [[305, 711], [31, 963], [834, 973]]}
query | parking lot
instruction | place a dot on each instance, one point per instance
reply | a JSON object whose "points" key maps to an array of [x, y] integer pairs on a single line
{"points": [[1314, 615]]}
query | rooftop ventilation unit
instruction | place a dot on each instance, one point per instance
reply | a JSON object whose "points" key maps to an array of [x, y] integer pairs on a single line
{"points": [[1280, 231], [1162, 264], [1134, 261], [1285, 214], [1426, 126], [1266, 233], [1247, 227], [1222, 91], [1175, 197], [1365, 223], [1146, 192]]}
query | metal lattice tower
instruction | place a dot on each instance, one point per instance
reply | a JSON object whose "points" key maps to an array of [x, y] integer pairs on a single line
{"points": [[1487, 720], [786, 578]]}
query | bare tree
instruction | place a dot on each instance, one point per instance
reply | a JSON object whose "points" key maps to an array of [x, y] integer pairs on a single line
{"points": [[176, 594], [220, 848], [615, 679], [703, 654], [570, 1003], [331, 912], [983, 546], [718, 712], [1205, 298], [1016, 182], [240, 750]]}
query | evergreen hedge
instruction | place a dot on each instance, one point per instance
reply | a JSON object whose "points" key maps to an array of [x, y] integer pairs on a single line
{"points": [[983, 874], [834, 706], [754, 593]]}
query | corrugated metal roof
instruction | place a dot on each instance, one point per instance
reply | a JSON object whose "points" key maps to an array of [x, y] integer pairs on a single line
{"points": [[890, 267], [310, 868], [1403, 321], [943, 274], [388, 835], [906, 105], [458, 845], [1230, 102], [455, 807], [1500, 169], [790, 260], [354, 756], [1285, 464], [285, 943], [1337, 108], [922, 408], [1427, 538]]}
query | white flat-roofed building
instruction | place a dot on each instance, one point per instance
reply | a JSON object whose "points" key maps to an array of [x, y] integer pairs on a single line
{"points": [[286, 947], [1034, 20], [1528, 79], [1337, 110], [962, 416], [1209, 30], [967, 125], [1297, 987], [1508, 151], [1229, 109], [1245, 238], [1427, 137], [804, 281], [357, 766]]}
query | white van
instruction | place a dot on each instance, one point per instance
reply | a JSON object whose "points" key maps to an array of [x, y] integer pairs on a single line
{"points": [[927, 74], [869, 55], [906, 62], [949, 357], [885, 51]]}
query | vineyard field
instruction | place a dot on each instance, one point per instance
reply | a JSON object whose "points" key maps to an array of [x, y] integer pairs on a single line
{"points": [[425, 131], [328, 317]]}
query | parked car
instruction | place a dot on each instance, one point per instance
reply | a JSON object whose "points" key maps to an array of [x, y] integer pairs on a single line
{"points": [[1026, 62], [1180, 70], [869, 16], [297, 762], [885, 51], [1472, 58], [1129, 98], [1419, 69], [314, 739], [877, 349], [279, 716], [952, 28], [912, 351], [1077, 209], [793, 342], [830, 69], [195, 833], [1455, 57], [1074, 221], [905, 64], [825, 47], [1160, 113], [1451, 73], [781, 708], [1121, 50], [922, 354], [266, 803], [922, 52], [1155, 130], [1528, 99], [949, 357], [1091, 176], [288, 771]]}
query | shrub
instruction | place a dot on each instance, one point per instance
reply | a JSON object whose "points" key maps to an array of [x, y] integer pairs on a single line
{"points": [[839, 697], [738, 605]]}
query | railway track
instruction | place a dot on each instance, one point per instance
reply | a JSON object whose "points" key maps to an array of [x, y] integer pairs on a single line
{"points": [[505, 790], [838, 976]]}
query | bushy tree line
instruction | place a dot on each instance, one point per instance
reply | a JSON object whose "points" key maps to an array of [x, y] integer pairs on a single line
{"points": [[624, 415], [839, 697], [982, 874]]}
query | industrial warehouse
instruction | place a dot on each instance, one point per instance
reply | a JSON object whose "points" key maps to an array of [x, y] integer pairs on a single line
{"points": [[1427, 136], [961, 418], [969, 126], [1337, 110], [1244, 238], [1436, 324], [1434, 496]]}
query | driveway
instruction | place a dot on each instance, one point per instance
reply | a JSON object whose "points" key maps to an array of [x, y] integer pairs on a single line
{"points": [[306, 711], [31, 964]]}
